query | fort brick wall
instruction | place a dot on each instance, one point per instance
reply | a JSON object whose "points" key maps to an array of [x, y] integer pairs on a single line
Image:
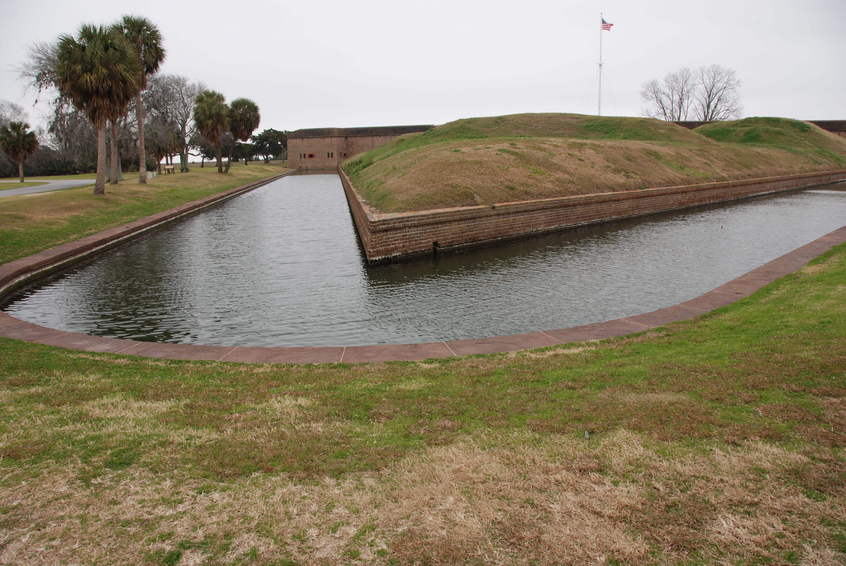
{"points": [[326, 148], [327, 153], [388, 237]]}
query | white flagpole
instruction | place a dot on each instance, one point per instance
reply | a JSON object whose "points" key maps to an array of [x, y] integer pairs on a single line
{"points": [[599, 96]]}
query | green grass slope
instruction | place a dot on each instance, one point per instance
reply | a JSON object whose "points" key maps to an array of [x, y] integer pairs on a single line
{"points": [[530, 126], [782, 133], [557, 125], [526, 156]]}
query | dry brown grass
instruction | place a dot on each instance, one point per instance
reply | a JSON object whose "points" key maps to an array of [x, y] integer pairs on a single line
{"points": [[519, 499], [472, 172], [550, 352]]}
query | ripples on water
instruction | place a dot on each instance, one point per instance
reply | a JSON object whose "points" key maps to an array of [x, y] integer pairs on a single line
{"points": [[281, 266]]}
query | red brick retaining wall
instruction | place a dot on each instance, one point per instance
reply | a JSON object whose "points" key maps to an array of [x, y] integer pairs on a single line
{"points": [[386, 237]]}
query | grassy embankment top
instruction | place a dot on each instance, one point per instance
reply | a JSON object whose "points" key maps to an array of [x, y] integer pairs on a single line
{"points": [[31, 223], [528, 156]]}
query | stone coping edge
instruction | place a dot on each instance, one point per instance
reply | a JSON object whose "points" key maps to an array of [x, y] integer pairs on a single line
{"points": [[723, 295]]}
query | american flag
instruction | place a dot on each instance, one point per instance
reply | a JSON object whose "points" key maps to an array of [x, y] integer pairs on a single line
{"points": [[605, 26]]}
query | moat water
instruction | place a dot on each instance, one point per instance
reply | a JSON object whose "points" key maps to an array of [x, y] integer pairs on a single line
{"points": [[281, 265]]}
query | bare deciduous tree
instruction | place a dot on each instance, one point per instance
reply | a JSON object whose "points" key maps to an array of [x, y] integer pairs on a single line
{"points": [[11, 112], [73, 135], [39, 69], [672, 98], [717, 96], [711, 93], [163, 140], [172, 97]]}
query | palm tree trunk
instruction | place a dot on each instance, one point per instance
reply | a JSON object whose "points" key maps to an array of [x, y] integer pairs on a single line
{"points": [[100, 183], [108, 156], [115, 160], [219, 158], [142, 154], [120, 161], [21, 169]]}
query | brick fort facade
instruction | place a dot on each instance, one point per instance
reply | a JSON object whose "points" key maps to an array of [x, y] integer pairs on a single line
{"points": [[325, 148]]}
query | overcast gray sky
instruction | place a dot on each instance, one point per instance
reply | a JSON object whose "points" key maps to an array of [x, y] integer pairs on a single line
{"points": [[385, 62]]}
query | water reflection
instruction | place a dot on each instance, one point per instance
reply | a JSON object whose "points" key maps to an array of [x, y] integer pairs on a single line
{"points": [[281, 266]]}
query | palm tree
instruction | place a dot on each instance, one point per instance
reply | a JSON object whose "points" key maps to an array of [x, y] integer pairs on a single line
{"points": [[18, 143], [243, 119], [211, 115], [98, 72], [146, 41]]}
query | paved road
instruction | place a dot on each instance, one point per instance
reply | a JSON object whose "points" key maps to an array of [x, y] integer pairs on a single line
{"points": [[50, 186]]}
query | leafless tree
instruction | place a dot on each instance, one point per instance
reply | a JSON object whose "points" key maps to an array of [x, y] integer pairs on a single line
{"points": [[73, 135], [711, 93], [40, 67], [162, 135], [171, 99], [672, 98], [717, 96], [11, 112]]}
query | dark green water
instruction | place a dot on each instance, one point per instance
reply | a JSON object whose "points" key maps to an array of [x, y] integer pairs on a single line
{"points": [[281, 266]]}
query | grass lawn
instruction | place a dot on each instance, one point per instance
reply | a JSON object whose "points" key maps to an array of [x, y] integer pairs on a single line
{"points": [[6, 186], [31, 223], [718, 440]]}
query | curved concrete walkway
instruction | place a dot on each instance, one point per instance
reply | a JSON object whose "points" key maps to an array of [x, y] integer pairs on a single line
{"points": [[17, 272], [46, 188]]}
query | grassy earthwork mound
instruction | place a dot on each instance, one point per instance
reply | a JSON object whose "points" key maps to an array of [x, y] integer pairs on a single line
{"points": [[791, 135], [527, 156]]}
